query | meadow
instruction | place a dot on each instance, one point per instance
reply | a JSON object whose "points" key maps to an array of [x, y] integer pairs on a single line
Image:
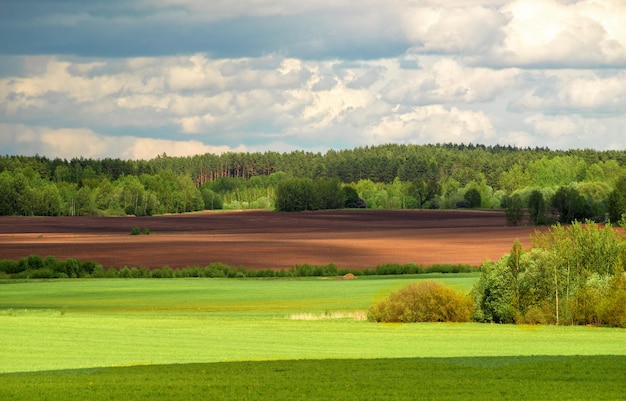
{"points": [[280, 339]]}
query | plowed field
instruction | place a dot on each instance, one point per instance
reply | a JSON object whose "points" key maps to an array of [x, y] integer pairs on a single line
{"points": [[262, 239]]}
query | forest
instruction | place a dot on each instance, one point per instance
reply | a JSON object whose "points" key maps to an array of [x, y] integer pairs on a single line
{"points": [[534, 185]]}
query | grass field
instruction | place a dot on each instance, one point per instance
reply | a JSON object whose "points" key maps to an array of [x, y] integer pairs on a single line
{"points": [[280, 339]]}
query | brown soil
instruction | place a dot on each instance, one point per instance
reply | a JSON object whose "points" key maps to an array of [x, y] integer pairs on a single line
{"points": [[262, 239]]}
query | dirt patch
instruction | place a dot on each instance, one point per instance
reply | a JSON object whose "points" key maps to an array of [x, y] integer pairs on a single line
{"points": [[262, 239]]}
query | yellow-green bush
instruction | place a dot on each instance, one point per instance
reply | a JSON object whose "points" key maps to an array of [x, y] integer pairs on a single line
{"points": [[426, 301]]}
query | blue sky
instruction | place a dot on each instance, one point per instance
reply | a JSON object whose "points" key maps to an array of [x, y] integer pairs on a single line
{"points": [[137, 78]]}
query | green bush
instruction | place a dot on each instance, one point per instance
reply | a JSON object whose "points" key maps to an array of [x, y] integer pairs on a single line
{"points": [[473, 197], [613, 312], [307, 270], [138, 230], [448, 268], [35, 262], [139, 273], [87, 268], [98, 272], [10, 266], [44, 272], [164, 272], [426, 301], [216, 270], [72, 267]]}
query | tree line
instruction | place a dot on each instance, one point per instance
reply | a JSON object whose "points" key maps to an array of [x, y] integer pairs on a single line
{"points": [[535, 185], [37, 267], [572, 275]]}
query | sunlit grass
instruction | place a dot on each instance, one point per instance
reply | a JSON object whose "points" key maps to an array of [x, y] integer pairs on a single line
{"points": [[92, 323], [281, 340]]}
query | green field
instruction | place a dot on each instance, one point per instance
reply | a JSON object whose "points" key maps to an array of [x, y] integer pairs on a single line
{"points": [[280, 339]]}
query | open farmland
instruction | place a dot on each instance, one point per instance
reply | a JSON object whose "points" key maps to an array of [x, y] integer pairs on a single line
{"points": [[233, 339], [264, 239]]}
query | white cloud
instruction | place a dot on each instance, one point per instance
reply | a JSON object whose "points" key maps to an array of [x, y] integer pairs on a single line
{"points": [[148, 148], [63, 142], [433, 124], [520, 33], [553, 127], [444, 80], [199, 75], [556, 33], [584, 92], [449, 28], [326, 75], [576, 131], [74, 142]]}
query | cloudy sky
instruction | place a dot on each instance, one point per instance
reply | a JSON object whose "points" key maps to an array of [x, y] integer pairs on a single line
{"points": [[137, 78]]}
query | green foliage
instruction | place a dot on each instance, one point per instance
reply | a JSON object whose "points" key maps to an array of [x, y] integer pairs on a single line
{"points": [[537, 208], [211, 200], [426, 301], [571, 205], [611, 308], [35, 262], [564, 279], [392, 176], [44, 272], [34, 266], [424, 191], [616, 201], [514, 209], [297, 195], [351, 198], [473, 197], [73, 268], [164, 272], [306, 270], [330, 193], [138, 231], [10, 266]]}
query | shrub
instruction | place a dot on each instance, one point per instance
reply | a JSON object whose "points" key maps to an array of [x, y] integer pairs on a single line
{"points": [[534, 315], [72, 267], [473, 198], [124, 272], [98, 272], [87, 268], [35, 262], [44, 272], [135, 231], [426, 301], [139, 273], [10, 266], [216, 270], [613, 312]]}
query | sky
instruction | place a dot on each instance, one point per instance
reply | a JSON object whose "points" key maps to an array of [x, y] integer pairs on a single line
{"points": [[134, 79]]}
